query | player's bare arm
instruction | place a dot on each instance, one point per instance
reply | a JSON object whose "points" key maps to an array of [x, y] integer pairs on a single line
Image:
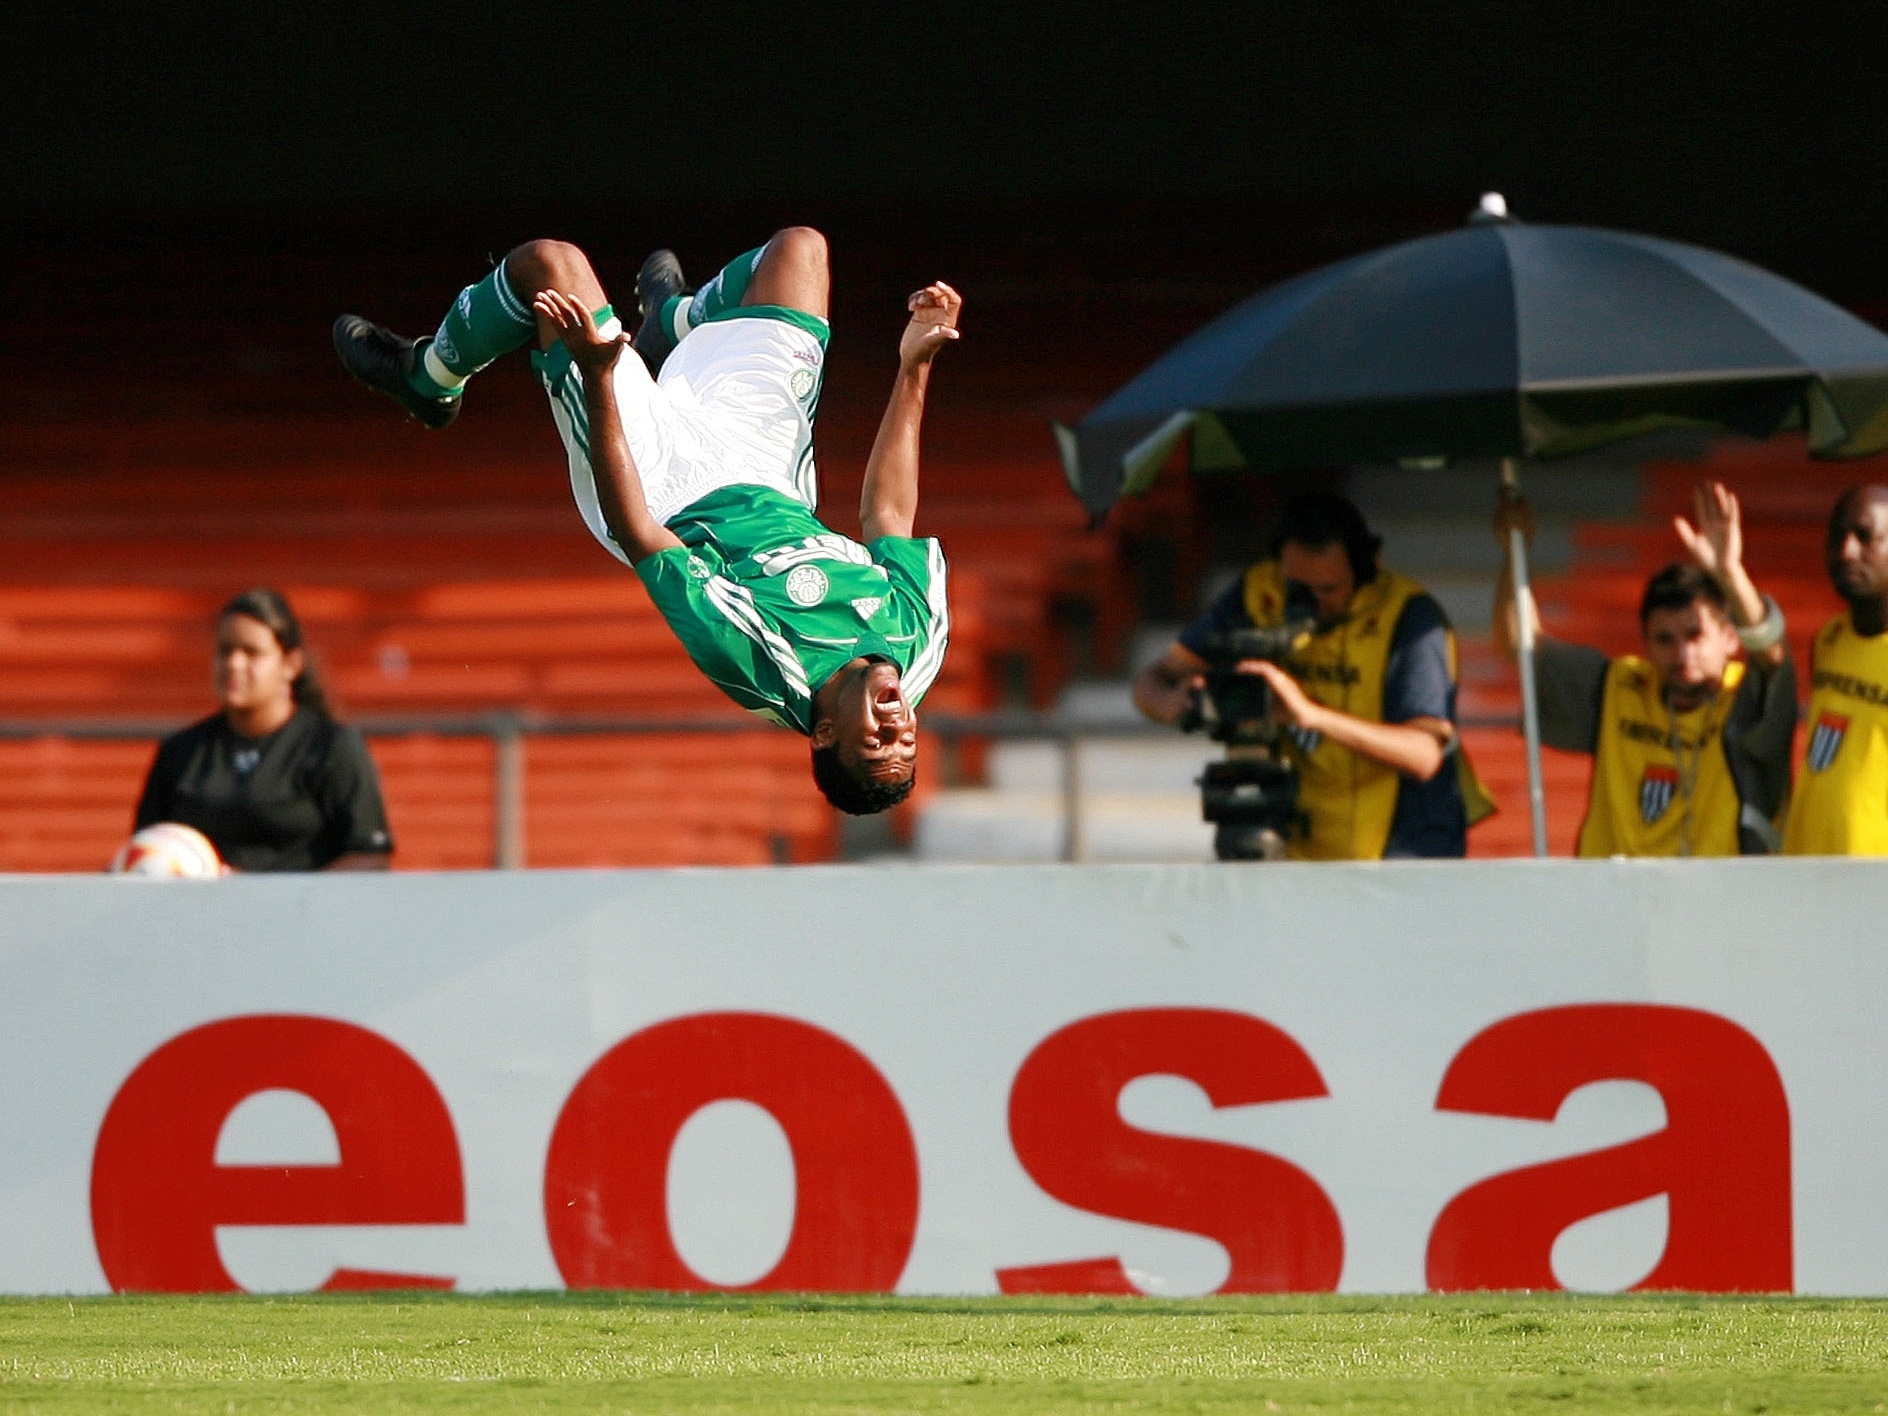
{"points": [[888, 501], [619, 485]]}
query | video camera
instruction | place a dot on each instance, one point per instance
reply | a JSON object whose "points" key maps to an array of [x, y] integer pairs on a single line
{"points": [[1252, 796]]}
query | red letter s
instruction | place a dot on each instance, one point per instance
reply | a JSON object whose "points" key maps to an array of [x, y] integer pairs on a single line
{"points": [[1275, 1222]]}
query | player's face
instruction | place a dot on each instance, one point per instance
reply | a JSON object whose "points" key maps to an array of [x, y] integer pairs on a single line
{"points": [[1856, 549], [875, 728], [1325, 572], [251, 669], [1689, 649]]}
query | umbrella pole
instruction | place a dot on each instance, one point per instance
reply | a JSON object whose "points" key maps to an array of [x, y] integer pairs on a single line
{"points": [[1530, 709]]}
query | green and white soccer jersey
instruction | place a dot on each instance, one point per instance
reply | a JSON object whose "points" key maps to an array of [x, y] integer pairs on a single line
{"points": [[770, 604]]}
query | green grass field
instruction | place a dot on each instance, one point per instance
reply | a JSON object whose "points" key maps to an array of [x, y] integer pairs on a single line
{"points": [[724, 1353]]}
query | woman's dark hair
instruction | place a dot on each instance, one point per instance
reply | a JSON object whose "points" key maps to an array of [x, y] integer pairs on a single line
{"points": [[1678, 587], [848, 793], [271, 608]]}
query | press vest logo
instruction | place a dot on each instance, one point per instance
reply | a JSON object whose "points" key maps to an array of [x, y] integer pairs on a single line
{"points": [[1656, 789], [1825, 741], [806, 585]]}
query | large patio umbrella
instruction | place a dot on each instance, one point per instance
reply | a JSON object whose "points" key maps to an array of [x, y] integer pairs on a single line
{"points": [[1497, 340]]}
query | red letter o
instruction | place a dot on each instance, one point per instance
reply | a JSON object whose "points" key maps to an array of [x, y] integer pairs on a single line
{"points": [[855, 1163]]}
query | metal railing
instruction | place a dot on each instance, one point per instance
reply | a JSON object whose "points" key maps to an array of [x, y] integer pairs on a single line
{"points": [[509, 729]]}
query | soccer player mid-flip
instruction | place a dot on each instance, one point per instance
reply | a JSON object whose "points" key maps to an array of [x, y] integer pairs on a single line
{"points": [[701, 477]]}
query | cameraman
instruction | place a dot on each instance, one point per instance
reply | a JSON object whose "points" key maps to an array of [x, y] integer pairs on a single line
{"points": [[1368, 699]]}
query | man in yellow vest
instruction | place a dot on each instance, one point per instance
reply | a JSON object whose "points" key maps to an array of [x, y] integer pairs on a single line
{"points": [[1840, 806], [1690, 744], [1368, 697]]}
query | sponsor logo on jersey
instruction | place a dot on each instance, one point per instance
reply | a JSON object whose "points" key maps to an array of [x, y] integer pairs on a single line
{"points": [[1849, 686], [1825, 741], [244, 760], [806, 585], [1346, 675], [867, 605], [1656, 789], [698, 568]]}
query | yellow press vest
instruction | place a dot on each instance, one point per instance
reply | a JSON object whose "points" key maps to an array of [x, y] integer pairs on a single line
{"points": [[1662, 785], [1350, 799], [1839, 805]]}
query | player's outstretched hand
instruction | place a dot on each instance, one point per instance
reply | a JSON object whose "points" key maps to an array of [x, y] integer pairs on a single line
{"points": [[934, 311], [1716, 542], [589, 350]]}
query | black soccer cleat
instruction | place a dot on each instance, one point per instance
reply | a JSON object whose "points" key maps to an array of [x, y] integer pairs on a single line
{"points": [[658, 280], [381, 359]]}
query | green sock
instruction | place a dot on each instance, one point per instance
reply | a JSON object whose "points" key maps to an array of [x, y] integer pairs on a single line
{"points": [[724, 292], [487, 320]]}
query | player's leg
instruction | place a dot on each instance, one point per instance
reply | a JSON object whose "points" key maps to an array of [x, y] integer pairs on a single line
{"points": [[793, 273], [492, 317], [790, 272], [551, 265]]}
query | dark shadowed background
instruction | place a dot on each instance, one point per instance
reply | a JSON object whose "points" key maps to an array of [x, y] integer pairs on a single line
{"points": [[1100, 179]]}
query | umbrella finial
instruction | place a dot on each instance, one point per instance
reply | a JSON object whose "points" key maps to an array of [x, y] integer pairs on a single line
{"points": [[1492, 207]]}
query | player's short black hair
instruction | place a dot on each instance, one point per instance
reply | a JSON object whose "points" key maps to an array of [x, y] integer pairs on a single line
{"points": [[1679, 586], [848, 793], [1318, 519]]}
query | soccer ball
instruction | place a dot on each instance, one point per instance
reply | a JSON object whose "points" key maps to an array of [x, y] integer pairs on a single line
{"points": [[168, 849]]}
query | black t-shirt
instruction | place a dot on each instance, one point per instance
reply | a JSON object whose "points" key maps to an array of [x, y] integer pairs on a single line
{"points": [[294, 800]]}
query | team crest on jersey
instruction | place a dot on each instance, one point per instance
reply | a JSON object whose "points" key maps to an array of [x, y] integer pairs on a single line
{"points": [[1656, 789], [802, 383], [1825, 740], [698, 568], [867, 605], [806, 585]]}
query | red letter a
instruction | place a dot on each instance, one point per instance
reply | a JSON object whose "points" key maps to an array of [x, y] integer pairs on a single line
{"points": [[1723, 1159]]}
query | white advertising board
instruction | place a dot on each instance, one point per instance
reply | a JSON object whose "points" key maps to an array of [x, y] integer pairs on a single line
{"points": [[1172, 1080]]}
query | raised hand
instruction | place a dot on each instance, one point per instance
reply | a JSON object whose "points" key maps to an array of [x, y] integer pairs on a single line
{"points": [[1513, 512], [934, 311], [1716, 542], [589, 350]]}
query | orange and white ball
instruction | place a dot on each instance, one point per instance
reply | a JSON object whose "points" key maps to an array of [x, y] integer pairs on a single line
{"points": [[168, 850]]}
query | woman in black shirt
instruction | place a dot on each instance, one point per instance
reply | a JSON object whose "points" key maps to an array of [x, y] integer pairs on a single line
{"points": [[271, 779]]}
